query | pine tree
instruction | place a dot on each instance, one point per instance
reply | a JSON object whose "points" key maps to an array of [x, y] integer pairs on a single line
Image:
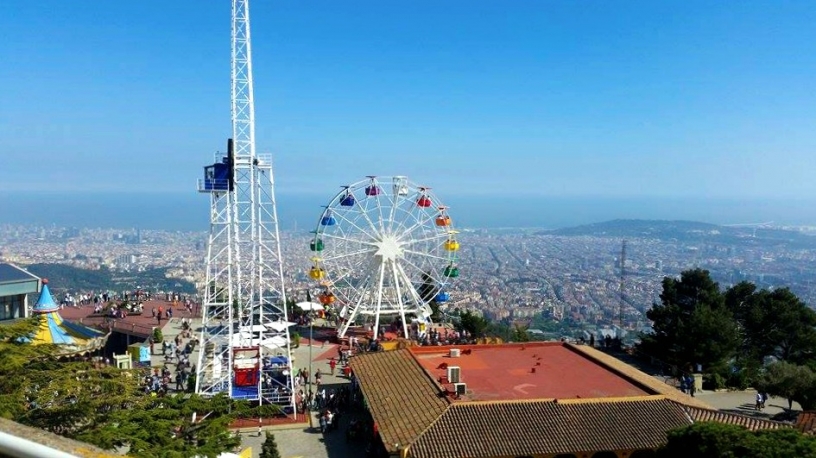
{"points": [[269, 449]]}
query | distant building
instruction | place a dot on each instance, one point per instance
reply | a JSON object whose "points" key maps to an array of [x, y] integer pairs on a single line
{"points": [[522, 400], [15, 286]]}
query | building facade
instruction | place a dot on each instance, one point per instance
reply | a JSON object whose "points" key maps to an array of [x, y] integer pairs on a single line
{"points": [[15, 286]]}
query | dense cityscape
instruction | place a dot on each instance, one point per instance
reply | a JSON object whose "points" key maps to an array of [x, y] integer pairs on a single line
{"points": [[523, 276]]}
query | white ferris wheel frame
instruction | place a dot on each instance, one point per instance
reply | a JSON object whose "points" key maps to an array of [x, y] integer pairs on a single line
{"points": [[380, 251]]}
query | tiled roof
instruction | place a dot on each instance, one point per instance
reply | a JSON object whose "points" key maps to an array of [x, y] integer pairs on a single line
{"points": [[545, 427], [806, 422], [401, 396], [750, 423], [642, 378]]}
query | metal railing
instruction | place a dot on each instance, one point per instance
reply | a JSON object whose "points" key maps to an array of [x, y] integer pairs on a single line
{"points": [[111, 324]]}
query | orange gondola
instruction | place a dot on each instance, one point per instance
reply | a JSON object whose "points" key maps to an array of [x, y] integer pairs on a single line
{"points": [[443, 221]]}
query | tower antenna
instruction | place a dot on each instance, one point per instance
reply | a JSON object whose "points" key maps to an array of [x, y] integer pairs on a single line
{"points": [[622, 286], [244, 333]]}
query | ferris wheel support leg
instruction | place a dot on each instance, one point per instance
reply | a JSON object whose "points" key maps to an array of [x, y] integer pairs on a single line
{"points": [[379, 301], [345, 326], [399, 298]]}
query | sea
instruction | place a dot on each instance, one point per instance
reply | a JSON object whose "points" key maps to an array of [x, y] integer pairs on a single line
{"points": [[189, 211]]}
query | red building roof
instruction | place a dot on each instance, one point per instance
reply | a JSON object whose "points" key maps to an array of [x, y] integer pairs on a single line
{"points": [[541, 370]]}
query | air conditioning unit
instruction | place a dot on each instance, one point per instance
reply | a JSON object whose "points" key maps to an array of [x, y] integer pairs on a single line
{"points": [[460, 388], [453, 374], [455, 352]]}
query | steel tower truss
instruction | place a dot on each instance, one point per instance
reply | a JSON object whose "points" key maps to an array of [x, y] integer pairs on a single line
{"points": [[244, 335]]}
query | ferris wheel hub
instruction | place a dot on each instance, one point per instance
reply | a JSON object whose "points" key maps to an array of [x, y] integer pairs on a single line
{"points": [[389, 248]]}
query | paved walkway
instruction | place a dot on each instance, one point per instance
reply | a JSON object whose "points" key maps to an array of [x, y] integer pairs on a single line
{"points": [[301, 441], [744, 403]]}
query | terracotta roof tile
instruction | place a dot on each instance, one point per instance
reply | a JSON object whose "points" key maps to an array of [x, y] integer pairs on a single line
{"points": [[806, 422], [751, 423], [545, 427], [401, 396]]}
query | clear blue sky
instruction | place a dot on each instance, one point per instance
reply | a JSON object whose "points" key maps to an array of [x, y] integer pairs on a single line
{"points": [[567, 98]]}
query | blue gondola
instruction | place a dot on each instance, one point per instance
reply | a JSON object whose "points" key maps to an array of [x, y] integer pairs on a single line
{"points": [[347, 201], [442, 296], [327, 220]]}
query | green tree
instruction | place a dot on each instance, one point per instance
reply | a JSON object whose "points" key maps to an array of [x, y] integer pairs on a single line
{"points": [[790, 381], [706, 440], [717, 440], [520, 334], [691, 325], [105, 406], [772, 323], [269, 449], [473, 324]]}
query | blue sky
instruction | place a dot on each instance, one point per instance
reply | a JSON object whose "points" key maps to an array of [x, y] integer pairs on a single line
{"points": [[568, 98]]}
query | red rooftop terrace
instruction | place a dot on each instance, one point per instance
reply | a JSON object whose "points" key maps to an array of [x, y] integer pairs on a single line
{"points": [[540, 370]]}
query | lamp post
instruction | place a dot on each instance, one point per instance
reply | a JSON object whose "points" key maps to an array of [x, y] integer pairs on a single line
{"points": [[310, 307]]}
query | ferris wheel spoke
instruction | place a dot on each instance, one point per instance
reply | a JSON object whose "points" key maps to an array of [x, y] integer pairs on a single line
{"points": [[353, 223], [353, 254], [437, 236], [419, 224], [395, 203], [431, 272], [411, 215], [369, 220], [411, 290], [348, 239]]}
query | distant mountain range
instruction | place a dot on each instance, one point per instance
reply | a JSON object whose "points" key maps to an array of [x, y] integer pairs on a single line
{"points": [[690, 231]]}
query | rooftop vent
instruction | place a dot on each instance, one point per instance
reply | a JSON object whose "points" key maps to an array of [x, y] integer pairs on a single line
{"points": [[453, 374], [455, 352], [460, 388]]}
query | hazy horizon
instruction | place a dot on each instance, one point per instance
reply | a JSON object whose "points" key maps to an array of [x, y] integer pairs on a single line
{"points": [[190, 211]]}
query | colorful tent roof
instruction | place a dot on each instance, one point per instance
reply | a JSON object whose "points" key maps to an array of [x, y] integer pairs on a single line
{"points": [[71, 337]]}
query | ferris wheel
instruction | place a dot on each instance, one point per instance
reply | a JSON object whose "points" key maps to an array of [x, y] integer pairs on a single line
{"points": [[383, 250]]}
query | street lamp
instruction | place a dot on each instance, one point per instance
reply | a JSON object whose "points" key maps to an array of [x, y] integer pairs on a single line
{"points": [[311, 307]]}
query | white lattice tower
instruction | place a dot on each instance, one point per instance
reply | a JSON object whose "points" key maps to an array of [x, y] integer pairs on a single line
{"points": [[244, 253]]}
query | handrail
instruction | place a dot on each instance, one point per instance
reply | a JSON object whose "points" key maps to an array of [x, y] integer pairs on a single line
{"points": [[113, 324]]}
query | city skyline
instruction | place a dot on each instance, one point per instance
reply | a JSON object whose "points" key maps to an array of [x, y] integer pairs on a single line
{"points": [[632, 100]]}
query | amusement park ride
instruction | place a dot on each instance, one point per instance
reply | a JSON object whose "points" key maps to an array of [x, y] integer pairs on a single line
{"points": [[245, 333], [383, 250]]}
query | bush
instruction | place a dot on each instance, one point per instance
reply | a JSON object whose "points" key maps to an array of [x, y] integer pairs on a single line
{"points": [[269, 449], [295, 338], [158, 337], [738, 380], [713, 382]]}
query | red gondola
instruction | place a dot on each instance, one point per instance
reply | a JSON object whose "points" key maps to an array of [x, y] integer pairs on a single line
{"points": [[424, 201]]}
